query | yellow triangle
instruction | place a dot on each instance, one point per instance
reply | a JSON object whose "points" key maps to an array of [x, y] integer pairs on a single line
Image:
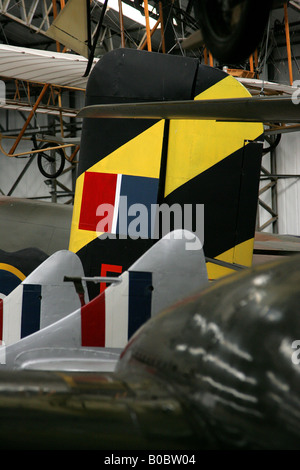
{"points": [[195, 146], [241, 254]]}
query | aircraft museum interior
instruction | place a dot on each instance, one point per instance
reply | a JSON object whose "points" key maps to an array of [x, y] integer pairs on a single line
{"points": [[150, 226]]}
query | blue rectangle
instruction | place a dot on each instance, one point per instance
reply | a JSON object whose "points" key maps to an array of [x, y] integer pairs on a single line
{"points": [[31, 309], [140, 300], [140, 193]]}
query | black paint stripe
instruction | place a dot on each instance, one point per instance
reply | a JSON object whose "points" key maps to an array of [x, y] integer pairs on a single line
{"points": [[126, 76], [229, 192]]}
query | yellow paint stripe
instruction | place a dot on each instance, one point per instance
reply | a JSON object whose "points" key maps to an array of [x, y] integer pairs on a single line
{"points": [[140, 156], [240, 254], [195, 146], [13, 270], [228, 87]]}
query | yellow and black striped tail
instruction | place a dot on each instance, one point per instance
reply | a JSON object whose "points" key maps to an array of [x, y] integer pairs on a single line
{"points": [[151, 162]]}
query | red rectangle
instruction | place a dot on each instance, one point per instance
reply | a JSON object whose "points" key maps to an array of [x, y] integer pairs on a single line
{"points": [[93, 322], [1, 319], [98, 188]]}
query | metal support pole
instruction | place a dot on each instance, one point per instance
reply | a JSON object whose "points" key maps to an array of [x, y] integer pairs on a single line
{"points": [[121, 24], [271, 186], [161, 17], [147, 25], [142, 46], [168, 31], [54, 6], [274, 189], [288, 42], [256, 62], [251, 63]]}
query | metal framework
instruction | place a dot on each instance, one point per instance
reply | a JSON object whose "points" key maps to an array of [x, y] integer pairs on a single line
{"points": [[37, 16], [268, 186], [34, 14]]}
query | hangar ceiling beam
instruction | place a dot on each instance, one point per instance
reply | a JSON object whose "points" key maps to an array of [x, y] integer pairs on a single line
{"points": [[38, 15], [33, 14]]}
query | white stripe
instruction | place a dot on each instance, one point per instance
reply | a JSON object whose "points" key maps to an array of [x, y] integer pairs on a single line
{"points": [[12, 316], [116, 206], [116, 314], [57, 302]]}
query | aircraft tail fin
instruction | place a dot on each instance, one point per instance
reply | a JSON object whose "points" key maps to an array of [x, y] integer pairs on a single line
{"points": [[144, 163], [167, 272], [42, 298]]}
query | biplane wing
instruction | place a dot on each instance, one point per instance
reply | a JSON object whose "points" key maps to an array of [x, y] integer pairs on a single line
{"points": [[39, 66]]}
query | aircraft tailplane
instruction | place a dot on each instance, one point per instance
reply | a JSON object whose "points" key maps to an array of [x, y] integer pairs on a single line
{"points": [[42, 298]]}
